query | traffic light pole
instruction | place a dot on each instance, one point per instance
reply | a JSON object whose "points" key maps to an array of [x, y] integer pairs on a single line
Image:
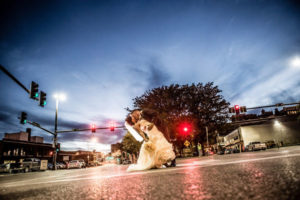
{"points": [[55, 137], [39, 126], [14, 78]]}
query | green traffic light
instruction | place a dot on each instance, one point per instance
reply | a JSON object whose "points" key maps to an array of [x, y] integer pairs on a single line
{"points": [[36, 94], [25, 121], [45, 103]]}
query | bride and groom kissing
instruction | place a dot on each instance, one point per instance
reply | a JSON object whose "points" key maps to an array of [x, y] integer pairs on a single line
{"points": [[155, 151]]}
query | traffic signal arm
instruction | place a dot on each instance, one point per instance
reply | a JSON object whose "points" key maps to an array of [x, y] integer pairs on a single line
{"points": [[87, 129]]}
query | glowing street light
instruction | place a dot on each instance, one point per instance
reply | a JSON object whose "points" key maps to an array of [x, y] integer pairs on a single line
{"points": [[60, 96]]}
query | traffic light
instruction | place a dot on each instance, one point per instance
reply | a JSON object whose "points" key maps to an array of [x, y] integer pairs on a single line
{"points": [[185, 128], [112, 126], [23, 118], [231, 110], [237, 109], [57, 149], [93, 128], [43, 101], [34, 90], [243, 109]]}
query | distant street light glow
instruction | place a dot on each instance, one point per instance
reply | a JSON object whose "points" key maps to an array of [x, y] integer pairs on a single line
{"points": [[94, 140]]}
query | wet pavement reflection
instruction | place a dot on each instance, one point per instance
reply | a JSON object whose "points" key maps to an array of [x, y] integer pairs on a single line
{"points": [[273, 174]]}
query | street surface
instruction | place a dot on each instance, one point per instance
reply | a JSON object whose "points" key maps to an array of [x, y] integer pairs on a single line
{"points": [[271, 174]]}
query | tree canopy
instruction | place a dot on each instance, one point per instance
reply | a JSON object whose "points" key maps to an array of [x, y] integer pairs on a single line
{"points": [[200, 104], [129, 144]]}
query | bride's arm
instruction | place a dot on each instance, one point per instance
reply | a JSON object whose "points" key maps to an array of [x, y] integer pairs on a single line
{"points": [[137, 127]]}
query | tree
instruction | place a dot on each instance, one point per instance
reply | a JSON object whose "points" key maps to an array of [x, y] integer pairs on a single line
{"points": [[203, 105], [130, 145]]}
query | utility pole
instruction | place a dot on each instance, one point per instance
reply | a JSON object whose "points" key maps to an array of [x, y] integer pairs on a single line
{"points": [[55, 137], [206, 128]]}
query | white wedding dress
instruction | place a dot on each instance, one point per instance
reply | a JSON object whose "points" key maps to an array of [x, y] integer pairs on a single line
{"points": [[155, 152]]}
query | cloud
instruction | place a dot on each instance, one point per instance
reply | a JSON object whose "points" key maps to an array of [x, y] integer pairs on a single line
{"points": [[157, 76], [280, 84]]}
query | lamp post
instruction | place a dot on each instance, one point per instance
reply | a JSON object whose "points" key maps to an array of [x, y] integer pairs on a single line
{"points": [[58, 97]]}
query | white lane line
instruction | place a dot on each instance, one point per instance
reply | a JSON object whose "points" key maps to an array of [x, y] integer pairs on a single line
{"points": [[191, 166]]}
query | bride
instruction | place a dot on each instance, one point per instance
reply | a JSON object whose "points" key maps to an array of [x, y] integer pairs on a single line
{"points": [[155, 150]]}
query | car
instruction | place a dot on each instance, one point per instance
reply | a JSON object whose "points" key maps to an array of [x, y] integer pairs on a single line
{"points": [[270, 144], [83, 164], [228, 151], [236, 151], [31, 164], [5, 168], [126, 162], [73, 164], [50, 166], [10, 167], [255, 146], [61, 165]]}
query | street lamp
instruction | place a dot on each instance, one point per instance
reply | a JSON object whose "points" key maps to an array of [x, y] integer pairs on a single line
{"points": [[58, 97]]}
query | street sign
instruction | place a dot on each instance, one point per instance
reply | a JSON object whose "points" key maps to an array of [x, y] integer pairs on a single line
{"points": [[187, 143], [44, 165]]}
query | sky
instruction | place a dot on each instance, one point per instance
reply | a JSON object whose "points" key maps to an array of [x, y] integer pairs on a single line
{"points": [[102, 54]]}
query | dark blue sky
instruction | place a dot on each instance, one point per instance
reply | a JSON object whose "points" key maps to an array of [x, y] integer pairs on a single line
{"points": [[102, 54]]}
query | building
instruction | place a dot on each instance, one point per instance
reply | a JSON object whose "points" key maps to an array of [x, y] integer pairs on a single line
{"points": [[14, 147], [283, 131]]}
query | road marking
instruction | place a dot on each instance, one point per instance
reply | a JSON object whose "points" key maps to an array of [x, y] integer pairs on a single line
{"points": [[190, 166]]}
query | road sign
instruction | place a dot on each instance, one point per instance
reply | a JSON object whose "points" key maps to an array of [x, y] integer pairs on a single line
{"points": [[187, 143]]}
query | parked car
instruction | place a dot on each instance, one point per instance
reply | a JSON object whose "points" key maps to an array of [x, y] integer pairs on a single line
{"points": [[83, 164], [50, 166], [5, 168], [236, 151], [221, 152], [11, 167], [126, 162], [31, 164], [255, 146], [73, 164], [270, 144], [228, 151]]}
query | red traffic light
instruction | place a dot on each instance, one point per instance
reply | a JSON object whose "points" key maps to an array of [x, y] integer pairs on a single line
{"points": [[112, 126], [236, 107], [185, 128], [93, 128]]}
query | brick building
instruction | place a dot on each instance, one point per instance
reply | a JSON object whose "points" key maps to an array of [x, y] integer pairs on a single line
{"points": [[14, 147]]}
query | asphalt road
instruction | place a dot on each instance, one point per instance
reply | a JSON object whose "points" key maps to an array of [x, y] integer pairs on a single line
{"points": [[271, 174]]}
